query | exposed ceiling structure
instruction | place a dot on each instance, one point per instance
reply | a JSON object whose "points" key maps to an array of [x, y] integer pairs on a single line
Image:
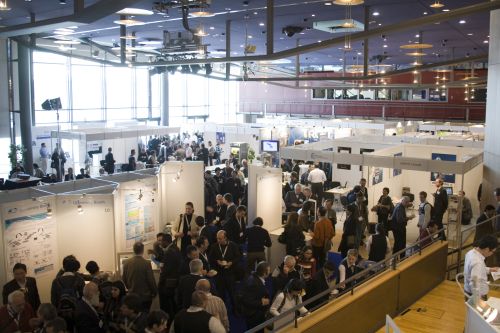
{"points": [[317, 35]]}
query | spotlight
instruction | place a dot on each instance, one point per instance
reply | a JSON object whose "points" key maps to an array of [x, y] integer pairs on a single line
{"points": [[49, 211], [185, 69], [79, 209], [291, 30], [208, 69], [62, 2], [140, 195], [195, 68], [172, 69]]}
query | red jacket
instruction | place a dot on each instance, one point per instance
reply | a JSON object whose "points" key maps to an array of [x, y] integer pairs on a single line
{"points": [[9, 325]]}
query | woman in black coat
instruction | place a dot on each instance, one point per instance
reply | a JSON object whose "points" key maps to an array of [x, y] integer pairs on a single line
{"points": [[294, 237]]}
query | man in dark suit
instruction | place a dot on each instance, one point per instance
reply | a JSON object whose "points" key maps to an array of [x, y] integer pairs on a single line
{"points": [[320, 283], [21, 282], [256, 299], [236, 226], [187, 283], [138, 276], [440, 205], [87, 319], [294, 199], [109, 162], [230, 208], [220, 209]]}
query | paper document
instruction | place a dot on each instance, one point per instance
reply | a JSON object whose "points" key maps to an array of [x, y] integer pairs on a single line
{"points": [[495, 275]]}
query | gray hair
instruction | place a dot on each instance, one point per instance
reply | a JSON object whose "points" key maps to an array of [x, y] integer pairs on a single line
{"points": [[289, 259], [298, 186], [15, 294], [405, 198], [352, 252], [195, 266]]}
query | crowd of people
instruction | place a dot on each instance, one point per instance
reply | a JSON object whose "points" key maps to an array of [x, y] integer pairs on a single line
{"points": [[213, 266]]}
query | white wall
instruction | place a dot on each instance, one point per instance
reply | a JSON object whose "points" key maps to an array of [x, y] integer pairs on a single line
{"points": [[90, 235], [189, 187], [264, 195]]}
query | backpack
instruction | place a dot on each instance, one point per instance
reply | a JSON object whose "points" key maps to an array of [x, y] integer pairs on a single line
{"points": [[66, 307], [432, 211]]}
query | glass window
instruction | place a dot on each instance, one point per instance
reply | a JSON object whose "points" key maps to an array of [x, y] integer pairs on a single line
{"points": [[352, 93], [330, 93], [141, 92], [478, 95], [367, 94], [438, 95], [383, 94], [318, 93], [419, 94], [50, 81], [87, 92], [50, 58], [400, 94], [340, 94]]}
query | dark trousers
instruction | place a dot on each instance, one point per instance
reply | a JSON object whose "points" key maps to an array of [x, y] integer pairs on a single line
{"points": [[146, 305], [224, 283], [399, 240], [167, 303], [253, 258], [317, 190], [319, 254], [255, 320], [211, 160], [438, 219]]}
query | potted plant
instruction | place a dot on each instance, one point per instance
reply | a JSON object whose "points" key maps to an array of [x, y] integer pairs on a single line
{"points": [[16, 155], [251, 155]]}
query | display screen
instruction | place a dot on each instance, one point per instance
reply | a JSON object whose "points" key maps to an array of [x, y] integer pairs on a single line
{"points": [[449, 190], [269, 146]]}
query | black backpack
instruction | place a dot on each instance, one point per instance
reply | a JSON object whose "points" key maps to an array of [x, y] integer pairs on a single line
{"points": [[66, 306]]}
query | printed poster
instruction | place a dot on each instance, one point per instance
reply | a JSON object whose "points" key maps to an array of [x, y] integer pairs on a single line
{"points": [[397, 172], [447, 177], [220, 137], [377, 176], [139, 222], [30, 237], [344, 150]]}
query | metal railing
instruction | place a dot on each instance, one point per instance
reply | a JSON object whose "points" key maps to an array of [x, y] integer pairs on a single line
{"points": [[465, 235], [356, 280]]}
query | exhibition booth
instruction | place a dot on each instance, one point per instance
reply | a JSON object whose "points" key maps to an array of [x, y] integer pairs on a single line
{"points": [[96, 141], [94, 219]]}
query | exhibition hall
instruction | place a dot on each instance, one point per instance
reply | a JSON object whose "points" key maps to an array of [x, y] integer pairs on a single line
{"points": [[216, 166]]}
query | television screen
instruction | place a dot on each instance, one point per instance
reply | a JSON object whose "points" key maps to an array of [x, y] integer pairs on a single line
{"points": [[449, 190], [269, 146]]}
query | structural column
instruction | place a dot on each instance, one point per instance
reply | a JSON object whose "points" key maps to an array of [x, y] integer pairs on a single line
{"points": [[491, 171], [25, 105], [165, 100]]}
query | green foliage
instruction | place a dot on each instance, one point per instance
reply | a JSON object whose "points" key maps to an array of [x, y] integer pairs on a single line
{"points": [[251, 155], [16, 155]]}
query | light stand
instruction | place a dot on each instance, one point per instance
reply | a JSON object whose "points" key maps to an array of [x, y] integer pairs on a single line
{"points": [[54, 105]]}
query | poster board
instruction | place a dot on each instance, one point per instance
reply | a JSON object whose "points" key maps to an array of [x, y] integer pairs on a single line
{"points": [[139, 216], [88, 234]]}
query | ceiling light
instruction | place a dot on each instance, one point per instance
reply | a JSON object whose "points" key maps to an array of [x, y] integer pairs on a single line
{"points": [[485, 42], [62, 2], [437, 4], [201, 32], [135, 11], [67, 42], [150, 42], [261, 24], [417, 36], [328, 3], [202, 12], [348, 2], [416, 46], [4, 6], [462, 21], [128, 37], [446, 10], [376, 14], [425, 13], [128, 22], [313, 15], [470, 34], [385, 46], [416, 54]]}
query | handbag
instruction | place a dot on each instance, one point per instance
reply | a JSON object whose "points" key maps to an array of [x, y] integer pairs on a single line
{"points": [[282, 238]]}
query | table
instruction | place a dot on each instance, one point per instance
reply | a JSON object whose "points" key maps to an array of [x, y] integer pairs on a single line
{"points": [[16, 183], [338, 192], [213, 167]]}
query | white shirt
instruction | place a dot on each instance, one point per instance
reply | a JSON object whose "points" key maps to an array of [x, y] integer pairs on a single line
{"points": [[189, 152], [475, 268], [316, 176], [424, 219], [289, 303], [214, 325]]}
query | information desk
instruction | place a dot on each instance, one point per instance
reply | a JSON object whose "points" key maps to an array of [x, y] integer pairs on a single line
{"points": [[277, 252]]}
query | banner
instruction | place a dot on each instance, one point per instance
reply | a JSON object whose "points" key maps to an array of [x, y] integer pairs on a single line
{"points": [[139, 220]]}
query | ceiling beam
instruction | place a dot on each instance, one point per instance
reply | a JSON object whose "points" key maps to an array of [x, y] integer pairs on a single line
{"points": [[401, 26], [481, 57], [90, 14]]}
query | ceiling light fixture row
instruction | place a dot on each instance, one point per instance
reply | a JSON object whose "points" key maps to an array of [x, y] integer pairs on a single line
{"points": [[4, 6]]}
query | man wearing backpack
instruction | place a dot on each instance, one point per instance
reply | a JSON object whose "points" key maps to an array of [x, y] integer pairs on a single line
{"points": [[424, 211], [67, 289]]}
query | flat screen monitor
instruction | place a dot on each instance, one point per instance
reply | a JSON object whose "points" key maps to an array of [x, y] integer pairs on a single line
{"points": [[269, 146], [448, 189]]}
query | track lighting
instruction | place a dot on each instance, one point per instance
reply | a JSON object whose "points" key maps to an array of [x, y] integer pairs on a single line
{"points": [[79, 209]]}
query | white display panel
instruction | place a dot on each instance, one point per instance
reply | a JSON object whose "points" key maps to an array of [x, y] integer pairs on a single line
{"points": [[88, 234]]}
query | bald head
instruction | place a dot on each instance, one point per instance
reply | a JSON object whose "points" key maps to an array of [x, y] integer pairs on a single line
{"points": [[203, 285], [221, 237]]}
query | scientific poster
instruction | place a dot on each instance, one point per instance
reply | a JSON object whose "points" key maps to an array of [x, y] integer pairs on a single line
{"points": [[344, 150], [220, 137], [139, 221], [447, 177], [397, 172], [30, 238], [377, 176]]}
